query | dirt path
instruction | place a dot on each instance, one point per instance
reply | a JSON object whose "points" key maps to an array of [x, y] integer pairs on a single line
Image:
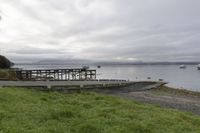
{"points": [[163, 96], [185, 103]]}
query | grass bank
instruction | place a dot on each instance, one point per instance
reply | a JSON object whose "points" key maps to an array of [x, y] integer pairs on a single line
{"points": [[31, 111]]}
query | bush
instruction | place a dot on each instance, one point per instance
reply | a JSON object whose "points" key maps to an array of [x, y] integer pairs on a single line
{"points": [[4, 74], [7, 74]]}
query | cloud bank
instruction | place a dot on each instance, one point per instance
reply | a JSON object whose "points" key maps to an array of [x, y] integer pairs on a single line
{"points": [[101, 30]]}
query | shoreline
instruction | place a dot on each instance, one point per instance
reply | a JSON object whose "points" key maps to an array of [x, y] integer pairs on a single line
{"points": [[163, 96], [183, 88]]}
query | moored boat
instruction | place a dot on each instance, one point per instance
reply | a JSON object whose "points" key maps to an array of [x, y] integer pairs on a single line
{"points": [[182, 66], [85, 67], [198, 66]]}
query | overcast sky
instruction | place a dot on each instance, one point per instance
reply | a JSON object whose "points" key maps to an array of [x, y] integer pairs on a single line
{"points": [[116, 30]]}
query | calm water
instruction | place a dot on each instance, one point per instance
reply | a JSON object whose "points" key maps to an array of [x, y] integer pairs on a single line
{"points": [[188, 78]]}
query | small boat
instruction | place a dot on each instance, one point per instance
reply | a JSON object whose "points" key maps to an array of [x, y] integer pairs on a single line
{"points": [[98, 66], [198, 67], [85, 67], [182, 66]]}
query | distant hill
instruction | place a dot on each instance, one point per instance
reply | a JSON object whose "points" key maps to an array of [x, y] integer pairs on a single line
{"points": [[5, 63], [64, 61], [147, 63], [89, 62]]}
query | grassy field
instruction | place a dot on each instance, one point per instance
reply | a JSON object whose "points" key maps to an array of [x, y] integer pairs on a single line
{"points": [[31, 111]]}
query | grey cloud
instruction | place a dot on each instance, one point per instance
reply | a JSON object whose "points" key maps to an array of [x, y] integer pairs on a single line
{"points": [[156, 30]]}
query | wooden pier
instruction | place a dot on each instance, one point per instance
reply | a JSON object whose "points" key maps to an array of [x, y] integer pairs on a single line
{"points": [[56, 74]]}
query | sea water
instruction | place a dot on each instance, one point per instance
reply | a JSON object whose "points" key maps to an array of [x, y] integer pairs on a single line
{"points": [[188, 78]]}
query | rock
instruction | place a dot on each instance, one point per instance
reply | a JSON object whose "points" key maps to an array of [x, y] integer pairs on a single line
{"points": [[5, 63]]}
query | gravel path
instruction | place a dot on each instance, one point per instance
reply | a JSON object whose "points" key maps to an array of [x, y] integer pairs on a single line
{"points": [[161, 95], [180, 102]]}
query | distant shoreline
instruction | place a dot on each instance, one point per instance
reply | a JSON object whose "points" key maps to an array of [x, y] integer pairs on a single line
{"points": [[109, 63]]}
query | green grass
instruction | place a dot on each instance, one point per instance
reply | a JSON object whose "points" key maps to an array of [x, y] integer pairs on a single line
{"points": [[4, 73], [31, 111], [7, 74]]}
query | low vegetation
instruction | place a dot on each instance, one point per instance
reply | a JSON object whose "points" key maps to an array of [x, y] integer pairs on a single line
{"points": [[7, 74], [31, 111], [4, 74]]}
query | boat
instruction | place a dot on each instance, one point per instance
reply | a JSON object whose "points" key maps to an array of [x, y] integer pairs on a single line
{"points": [[182, 66], [98, 66], [198, 67], [85, 67]]}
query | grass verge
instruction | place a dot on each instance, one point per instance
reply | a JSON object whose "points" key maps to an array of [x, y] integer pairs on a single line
{"points": [[31, 111]]}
